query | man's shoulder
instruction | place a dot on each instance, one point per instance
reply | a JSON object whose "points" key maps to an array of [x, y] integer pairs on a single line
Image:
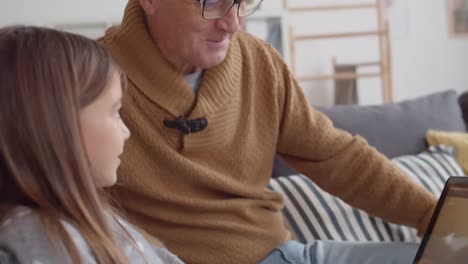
{"points": [[246, 39], [256, 49]]}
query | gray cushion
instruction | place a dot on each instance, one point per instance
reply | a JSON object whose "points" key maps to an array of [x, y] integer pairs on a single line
{"points": [[314, 214], [396, 129], [399, 129]]}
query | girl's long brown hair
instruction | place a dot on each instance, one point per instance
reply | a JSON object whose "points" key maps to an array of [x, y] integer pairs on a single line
{"points": [[46, 77]]}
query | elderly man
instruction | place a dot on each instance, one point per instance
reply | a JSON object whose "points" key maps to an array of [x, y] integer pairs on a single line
{"points": [[209, 108]]}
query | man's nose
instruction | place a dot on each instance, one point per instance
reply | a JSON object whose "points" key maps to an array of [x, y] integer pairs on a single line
{"points": [[230, 22]]}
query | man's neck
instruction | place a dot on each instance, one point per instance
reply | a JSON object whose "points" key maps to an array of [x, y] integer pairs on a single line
{"points": [[180, 65], [186, 70]]}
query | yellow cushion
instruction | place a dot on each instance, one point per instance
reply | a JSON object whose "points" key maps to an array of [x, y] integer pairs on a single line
{"points": [[459, 140]]}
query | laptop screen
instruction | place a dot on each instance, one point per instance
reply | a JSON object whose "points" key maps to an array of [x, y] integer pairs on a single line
{"points": [[446, 240]]}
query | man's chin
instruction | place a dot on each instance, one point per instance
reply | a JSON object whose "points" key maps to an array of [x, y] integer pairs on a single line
{"points": [[214, 60]]}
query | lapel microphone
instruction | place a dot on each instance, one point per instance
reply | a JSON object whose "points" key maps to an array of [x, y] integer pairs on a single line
{"points": [[187, 126]]}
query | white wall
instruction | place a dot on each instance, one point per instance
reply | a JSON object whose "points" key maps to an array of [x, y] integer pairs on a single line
{"points": [[59, 11], [425, 60], [428, 60], [64, 14]]}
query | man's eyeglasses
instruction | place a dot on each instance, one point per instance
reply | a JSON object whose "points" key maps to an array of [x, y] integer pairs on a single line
{"points": [[216, 9]]}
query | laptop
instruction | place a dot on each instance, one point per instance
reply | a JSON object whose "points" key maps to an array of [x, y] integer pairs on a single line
{"points": [[446, 238]]}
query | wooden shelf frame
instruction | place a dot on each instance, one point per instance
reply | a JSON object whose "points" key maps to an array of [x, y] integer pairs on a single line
{"points": [[382, 33]]}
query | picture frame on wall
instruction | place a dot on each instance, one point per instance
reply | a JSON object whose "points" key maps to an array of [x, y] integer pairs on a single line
{"points": [[457, 18]]}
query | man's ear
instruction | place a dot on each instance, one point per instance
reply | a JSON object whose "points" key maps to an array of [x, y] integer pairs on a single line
{"points": [[149, 6]]}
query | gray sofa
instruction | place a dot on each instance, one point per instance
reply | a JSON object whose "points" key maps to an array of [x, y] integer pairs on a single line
{"points": [[399, 132], [397, 129]]}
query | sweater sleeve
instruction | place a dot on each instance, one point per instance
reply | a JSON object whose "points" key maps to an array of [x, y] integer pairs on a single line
{"points": [[345, 165]]}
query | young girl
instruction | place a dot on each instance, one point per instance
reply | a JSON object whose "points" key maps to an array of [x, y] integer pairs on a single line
{"points": [[60, 141]]}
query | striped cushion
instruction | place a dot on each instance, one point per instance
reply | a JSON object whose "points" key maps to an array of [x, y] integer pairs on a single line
{"points": [[314, 214]]}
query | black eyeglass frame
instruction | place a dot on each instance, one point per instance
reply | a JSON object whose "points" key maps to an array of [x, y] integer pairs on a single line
{"points": [[234, 2]]}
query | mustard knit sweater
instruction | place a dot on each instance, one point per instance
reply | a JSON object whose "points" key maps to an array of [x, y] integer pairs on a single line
{"points": [[204, 194]]}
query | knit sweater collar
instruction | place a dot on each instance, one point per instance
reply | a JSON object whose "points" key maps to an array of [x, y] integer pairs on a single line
{"points": [[133, 48]]}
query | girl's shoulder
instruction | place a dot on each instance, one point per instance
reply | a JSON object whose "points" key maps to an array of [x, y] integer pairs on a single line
{"points": [[13, 234], [140, 246], [24, 237], [21, 224]]}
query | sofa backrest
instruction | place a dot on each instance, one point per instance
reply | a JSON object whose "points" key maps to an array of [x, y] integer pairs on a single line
{"points": [[398, 129]]}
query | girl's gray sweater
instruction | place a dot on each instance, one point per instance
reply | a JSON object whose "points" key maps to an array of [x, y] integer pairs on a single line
{"points": [[23, 240]]}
